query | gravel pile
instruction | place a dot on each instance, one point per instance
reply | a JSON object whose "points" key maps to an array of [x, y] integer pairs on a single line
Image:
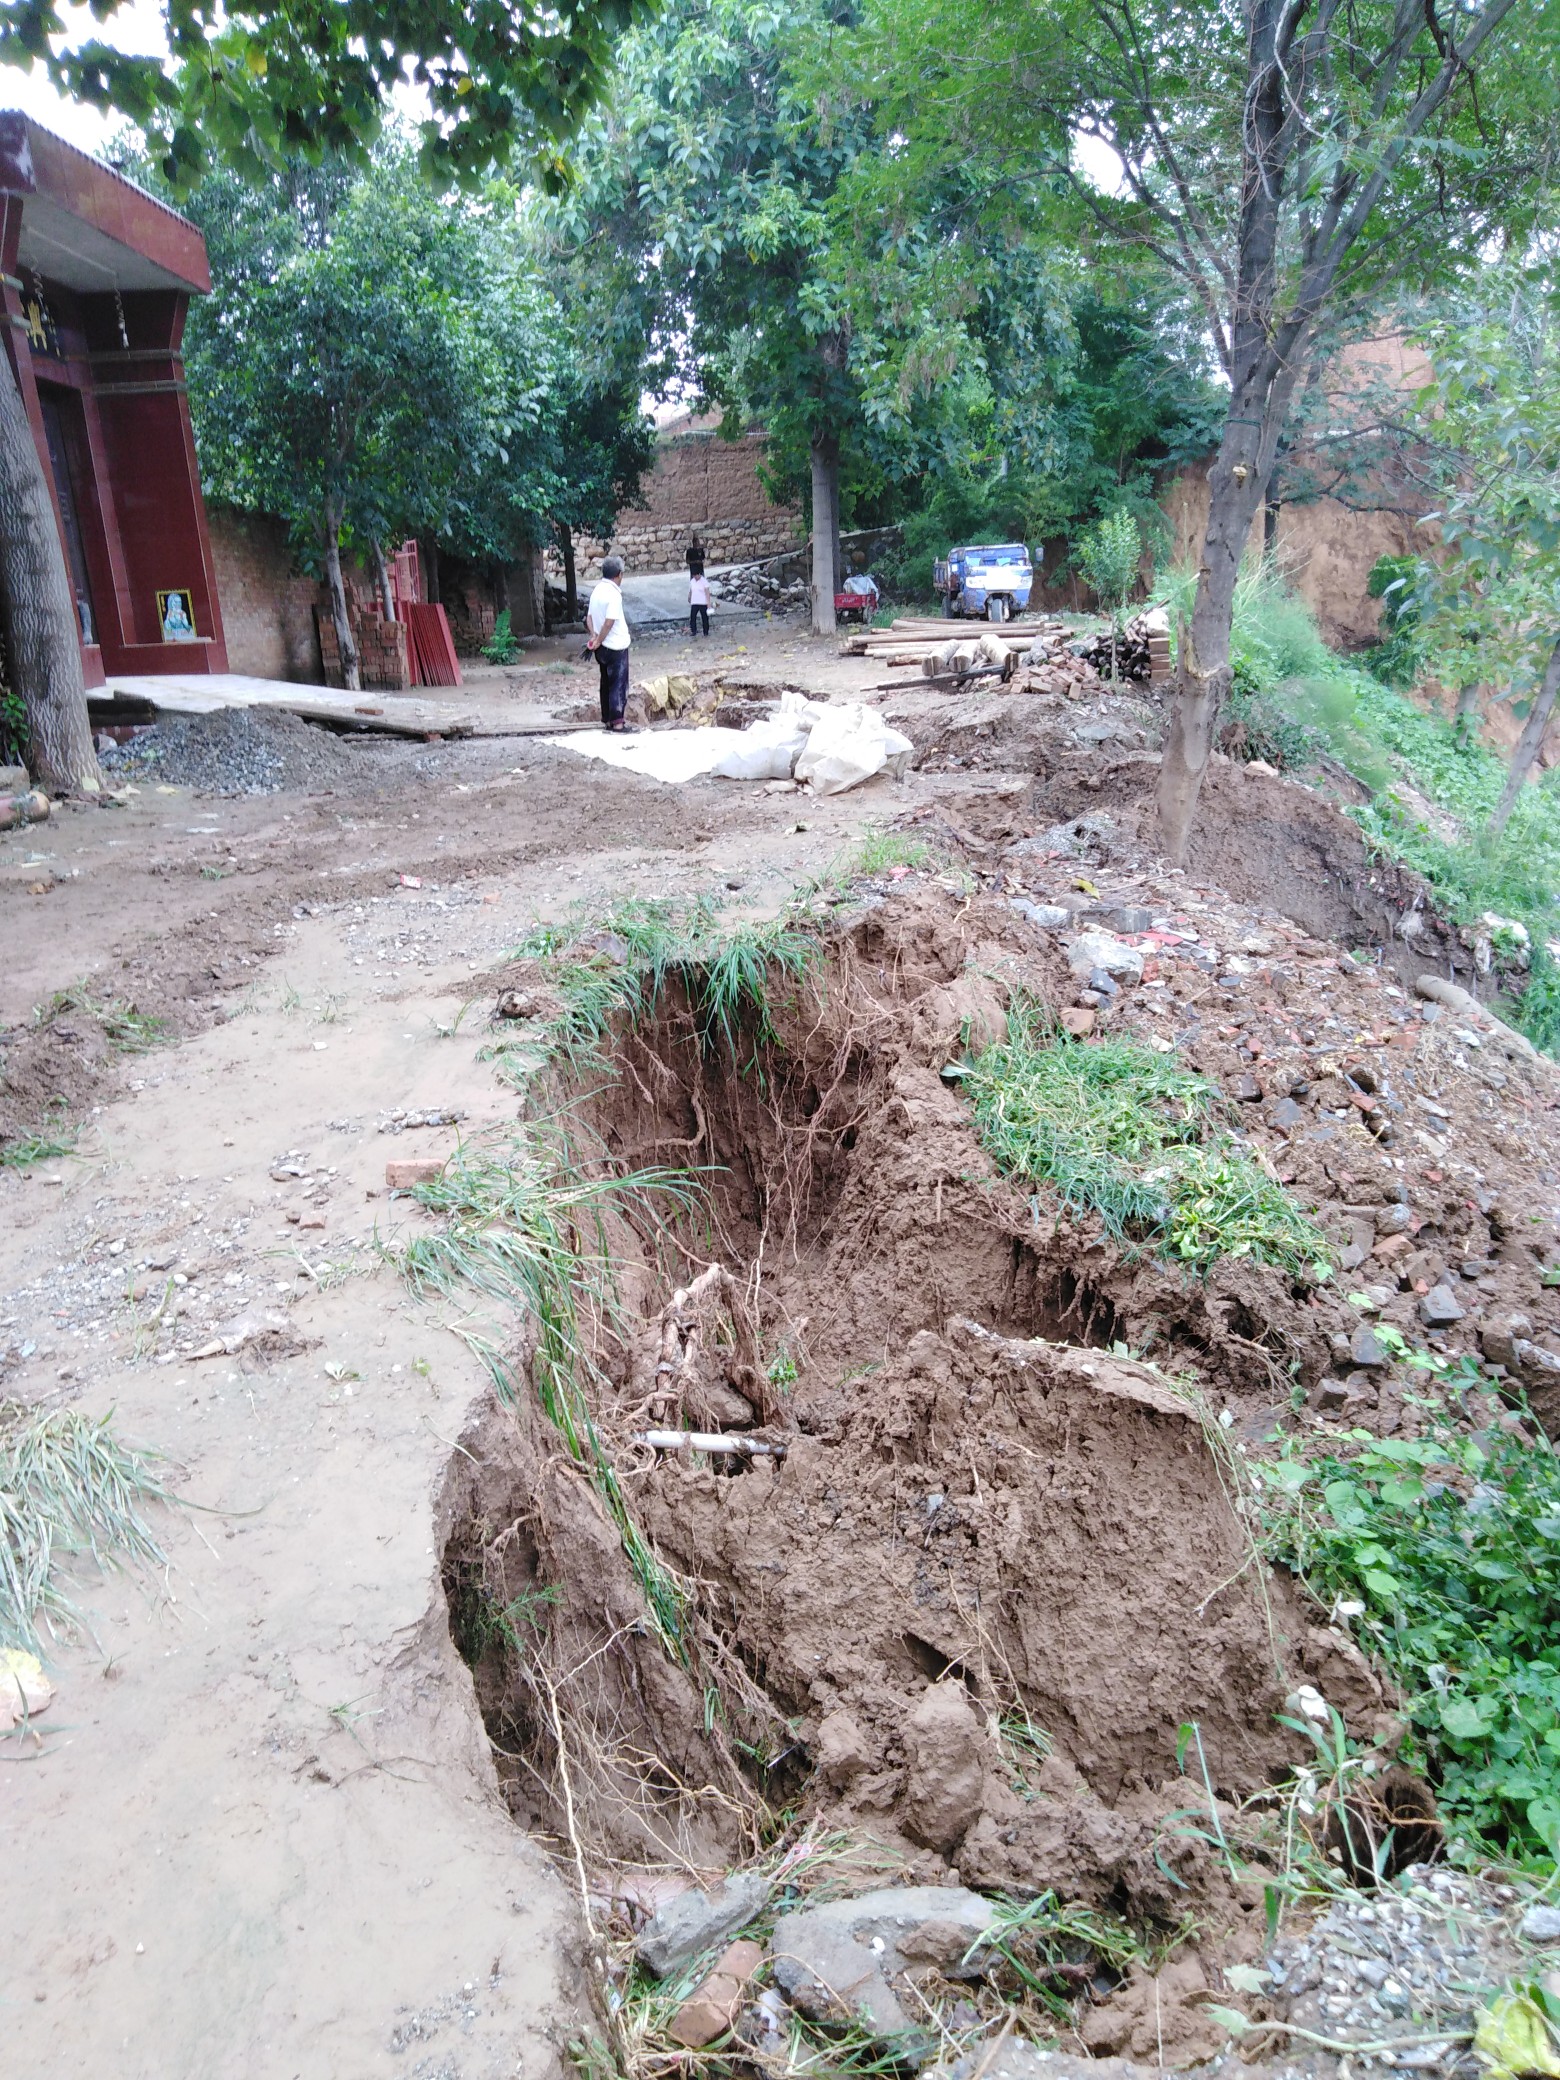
{"points": [[1404, 1971], [239, 751]]}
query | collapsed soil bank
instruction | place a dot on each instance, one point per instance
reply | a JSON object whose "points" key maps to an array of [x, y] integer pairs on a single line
{"points": [[998, 1567]]}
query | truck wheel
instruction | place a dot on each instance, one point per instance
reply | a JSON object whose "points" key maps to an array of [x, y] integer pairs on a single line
{"points": [[996, 608], [947, 606]]}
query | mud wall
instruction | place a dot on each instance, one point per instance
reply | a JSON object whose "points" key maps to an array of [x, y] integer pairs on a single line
{"points": [[267, 602], [1327, 549]]}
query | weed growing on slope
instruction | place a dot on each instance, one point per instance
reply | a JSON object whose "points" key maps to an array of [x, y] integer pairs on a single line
{"points": [[1301, 705], [1445, 1553], [1123, 1132], [522, 1227], [881, 850], [132, 1031], [622, 965], [68, 1489]]}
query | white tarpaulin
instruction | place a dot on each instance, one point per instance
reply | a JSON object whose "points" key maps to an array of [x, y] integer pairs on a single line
{"points": [[673, 755], [831, 749]]}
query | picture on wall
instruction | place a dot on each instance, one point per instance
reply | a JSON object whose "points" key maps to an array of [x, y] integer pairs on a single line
{"points": [[175, 617]]}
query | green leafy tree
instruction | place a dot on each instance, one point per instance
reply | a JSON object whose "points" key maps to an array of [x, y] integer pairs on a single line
{"points": [[368, 366], [1493, 410], [710, 172], [255, 86], [1283, 159], [1110, 556]]}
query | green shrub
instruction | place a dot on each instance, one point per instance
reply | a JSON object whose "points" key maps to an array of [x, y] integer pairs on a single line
{"points": [[503, 645], [1449, 1552]]}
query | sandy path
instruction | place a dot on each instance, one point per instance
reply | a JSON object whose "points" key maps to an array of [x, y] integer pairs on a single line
{"points": [[263, 1839]]}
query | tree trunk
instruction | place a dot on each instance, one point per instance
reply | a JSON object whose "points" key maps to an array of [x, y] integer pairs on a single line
{"points": [[1466, 711], [571, 583], [825, 527], [382, 580], [43, 637], [340, 619], [1529, 743], [1236, 486]]}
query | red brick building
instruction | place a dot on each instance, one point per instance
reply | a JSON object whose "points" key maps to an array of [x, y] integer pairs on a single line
{"points": [[96, 277]]}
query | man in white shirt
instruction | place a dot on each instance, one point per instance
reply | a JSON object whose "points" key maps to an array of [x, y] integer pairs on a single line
{"points": [[607, 634], [698, 603]]}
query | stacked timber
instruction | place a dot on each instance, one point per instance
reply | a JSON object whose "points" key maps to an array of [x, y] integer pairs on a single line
{"points": [[911, 639], [1142, 649]]}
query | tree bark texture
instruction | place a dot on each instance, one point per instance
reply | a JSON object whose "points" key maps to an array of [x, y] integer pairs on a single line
{"points": [[341, 620], [1528, 744], [382, 583], [825, 530], [43, 637], [571, 583]]}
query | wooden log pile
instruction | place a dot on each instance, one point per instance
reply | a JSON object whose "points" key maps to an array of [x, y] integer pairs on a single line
{"points": [[1027, 656], [1142, 650], [913, 638]]}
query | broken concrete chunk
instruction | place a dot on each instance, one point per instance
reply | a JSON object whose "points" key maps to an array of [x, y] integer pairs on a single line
{"points": [[694, 1920], [1049, 917], [1368, 1350], [837, 1962], [1541, 1924], [1102, 950], [946, 1747], [1286, 1115], [1536, 1365], [711, 2009], [1078, 1022]]}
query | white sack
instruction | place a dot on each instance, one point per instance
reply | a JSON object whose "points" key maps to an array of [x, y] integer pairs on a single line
{"points": [[765, 750], [848, 745]]}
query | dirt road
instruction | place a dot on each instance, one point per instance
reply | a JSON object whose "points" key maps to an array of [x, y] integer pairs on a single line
{"points": [[263, 1838], [263, 1835]]}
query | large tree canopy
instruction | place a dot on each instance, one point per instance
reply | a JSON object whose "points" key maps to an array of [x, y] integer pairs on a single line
{"points": [[1281, 158], [376, 362], [254, 85], [261, 87]]}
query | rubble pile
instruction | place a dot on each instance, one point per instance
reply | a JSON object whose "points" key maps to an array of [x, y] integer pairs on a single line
{"points": [[756, 585]]}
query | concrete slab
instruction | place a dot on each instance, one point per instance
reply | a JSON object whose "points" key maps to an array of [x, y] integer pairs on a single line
{"points": [[403, 714]]}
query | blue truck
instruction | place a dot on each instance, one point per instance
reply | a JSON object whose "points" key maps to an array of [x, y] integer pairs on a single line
{"points": [[991, 583]]}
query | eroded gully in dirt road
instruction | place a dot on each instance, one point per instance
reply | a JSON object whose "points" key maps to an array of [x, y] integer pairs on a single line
{"points": [[264, 1839]]}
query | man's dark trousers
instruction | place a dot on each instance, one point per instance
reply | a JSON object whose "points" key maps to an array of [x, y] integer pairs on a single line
{"points": [[613, 666]]}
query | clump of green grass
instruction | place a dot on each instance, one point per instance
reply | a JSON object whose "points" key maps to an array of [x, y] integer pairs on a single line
{"points": [[1445, 1553], [622, 967], [881, 850], [131, 1030], [28, 1149], [1037, 1939], [68, 1489], [524, 1228], [1123, 1132]]}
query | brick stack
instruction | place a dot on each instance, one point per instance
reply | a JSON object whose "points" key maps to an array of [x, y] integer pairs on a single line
{"points": [[382, 660]]}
